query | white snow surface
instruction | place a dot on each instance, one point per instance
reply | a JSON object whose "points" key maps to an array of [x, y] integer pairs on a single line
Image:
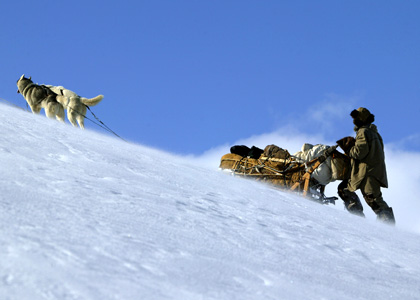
{"points": [[87, 216]]}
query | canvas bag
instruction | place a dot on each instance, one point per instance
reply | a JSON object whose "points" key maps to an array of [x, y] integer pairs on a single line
{"points": [[273, 151]]}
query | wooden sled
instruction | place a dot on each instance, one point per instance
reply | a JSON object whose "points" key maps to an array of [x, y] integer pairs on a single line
{"points": [[287, 173]]}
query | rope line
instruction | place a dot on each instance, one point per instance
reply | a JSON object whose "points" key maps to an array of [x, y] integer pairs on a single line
{"points": [[103, 124]]}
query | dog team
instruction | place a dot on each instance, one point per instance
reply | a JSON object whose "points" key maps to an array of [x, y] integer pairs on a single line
{"points": [[54, 100]]}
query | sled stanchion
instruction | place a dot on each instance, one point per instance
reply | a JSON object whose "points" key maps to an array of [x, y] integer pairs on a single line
{"points": [[307, 176]]}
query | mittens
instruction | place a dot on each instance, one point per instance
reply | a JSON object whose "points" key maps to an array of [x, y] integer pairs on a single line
{"points": [[346, 143]]}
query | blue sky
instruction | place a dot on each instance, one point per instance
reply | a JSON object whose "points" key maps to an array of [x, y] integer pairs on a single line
{"points": [[187, 76]]}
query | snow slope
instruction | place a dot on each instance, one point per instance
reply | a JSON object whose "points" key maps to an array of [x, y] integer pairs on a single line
{"points": [[88, 216]]}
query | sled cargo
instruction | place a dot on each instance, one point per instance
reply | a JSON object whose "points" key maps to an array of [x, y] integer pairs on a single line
{"points": [[291, 172]]}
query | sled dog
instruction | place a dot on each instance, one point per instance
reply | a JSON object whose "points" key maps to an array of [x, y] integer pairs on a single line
{"points": [[76, 106], [38, 97]]}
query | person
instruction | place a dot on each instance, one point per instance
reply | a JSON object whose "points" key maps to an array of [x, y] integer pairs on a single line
{"points": [[368, 170]]}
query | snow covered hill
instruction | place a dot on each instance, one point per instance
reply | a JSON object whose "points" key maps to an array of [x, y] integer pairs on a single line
{"points": [[88, 216]]}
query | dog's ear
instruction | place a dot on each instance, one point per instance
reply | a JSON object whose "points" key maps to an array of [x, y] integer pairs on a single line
{"points": [[21, 77]]}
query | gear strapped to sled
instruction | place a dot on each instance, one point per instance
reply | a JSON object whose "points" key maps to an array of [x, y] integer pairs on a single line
{"points": [[294, 172]]}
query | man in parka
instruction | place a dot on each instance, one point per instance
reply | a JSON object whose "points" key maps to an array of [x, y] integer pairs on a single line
{"points": [[368, 171]]}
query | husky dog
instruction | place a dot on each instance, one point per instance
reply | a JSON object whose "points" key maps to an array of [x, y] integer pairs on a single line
{"points": [[76, 106], [38, 97]]}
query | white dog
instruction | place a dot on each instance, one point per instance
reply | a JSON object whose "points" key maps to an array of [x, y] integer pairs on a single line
{"points": [[76, 105]]}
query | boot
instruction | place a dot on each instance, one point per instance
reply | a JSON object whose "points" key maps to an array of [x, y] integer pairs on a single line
{"points": [[354, 206], [387, 216], [351, 201]]}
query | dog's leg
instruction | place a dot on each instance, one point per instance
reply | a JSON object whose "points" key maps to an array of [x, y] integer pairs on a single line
{"points": [[51, 110], [60, 115], [81, 121], [71, 115], [81, 116], [35, 109]]}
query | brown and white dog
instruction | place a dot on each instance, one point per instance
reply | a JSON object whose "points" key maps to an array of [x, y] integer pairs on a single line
{"points": [[38, 97]]}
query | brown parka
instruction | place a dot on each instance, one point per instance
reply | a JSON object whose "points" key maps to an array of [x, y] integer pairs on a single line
{"points": [[367, 157]]}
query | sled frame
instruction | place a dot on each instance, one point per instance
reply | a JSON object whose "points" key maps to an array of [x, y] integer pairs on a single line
{"points": [[302, 185]]}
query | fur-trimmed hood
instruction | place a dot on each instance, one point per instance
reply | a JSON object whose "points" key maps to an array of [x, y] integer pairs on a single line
{"points": [[362, 116]]}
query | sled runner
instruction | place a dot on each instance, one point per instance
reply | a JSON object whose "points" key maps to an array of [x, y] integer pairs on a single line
{"points": [[307, 172]]}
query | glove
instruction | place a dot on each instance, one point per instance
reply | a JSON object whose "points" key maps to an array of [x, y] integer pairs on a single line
{"points": [[346, 143]]}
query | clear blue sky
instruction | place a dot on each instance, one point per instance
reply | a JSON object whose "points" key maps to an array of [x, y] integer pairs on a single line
{"points": [[186, 76]]}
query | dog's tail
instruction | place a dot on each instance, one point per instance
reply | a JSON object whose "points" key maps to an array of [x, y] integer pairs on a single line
{"points": [[92, 101]]}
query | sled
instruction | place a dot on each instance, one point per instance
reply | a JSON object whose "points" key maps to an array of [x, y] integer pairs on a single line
{"points": [[288, 173]]}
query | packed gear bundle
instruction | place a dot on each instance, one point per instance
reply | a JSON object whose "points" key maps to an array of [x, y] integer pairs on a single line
{"points": [[307, 171]]}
